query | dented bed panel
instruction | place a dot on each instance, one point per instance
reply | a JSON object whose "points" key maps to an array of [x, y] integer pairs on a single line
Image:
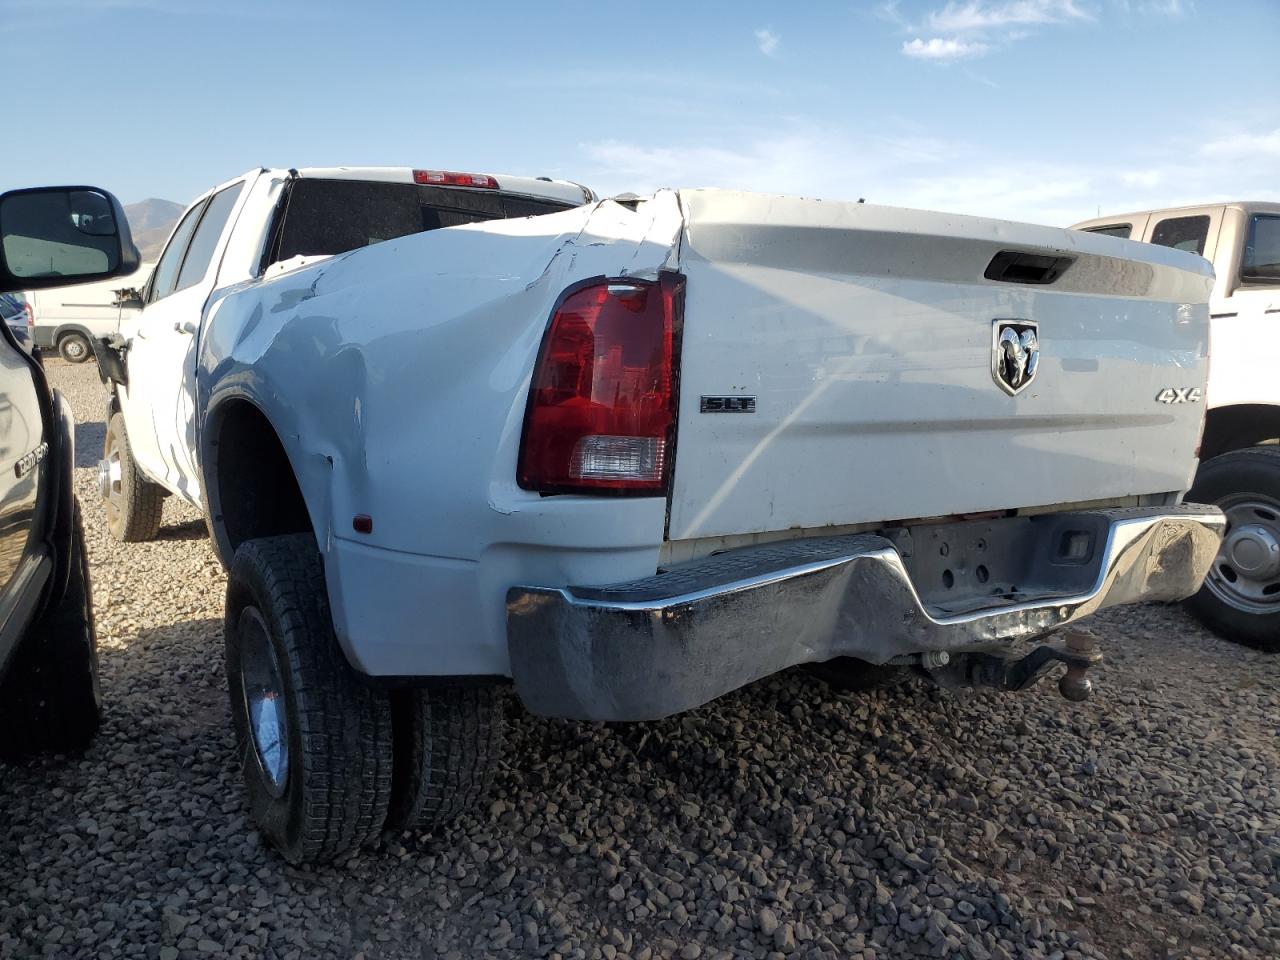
{"points": [[396, 377]]}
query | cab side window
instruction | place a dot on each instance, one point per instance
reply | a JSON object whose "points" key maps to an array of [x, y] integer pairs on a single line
{"points": [[1182, 233], [208, 233], [166, 273], [1261, 261]]}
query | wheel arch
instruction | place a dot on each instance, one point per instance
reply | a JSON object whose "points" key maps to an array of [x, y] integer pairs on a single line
{"points": [[65, 329], [252, 487], [1237, 426]]}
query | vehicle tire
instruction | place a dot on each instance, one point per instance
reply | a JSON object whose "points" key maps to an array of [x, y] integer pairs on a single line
{"points": [[851, 675], [315, 741], [447, 743], [1240, 599], [50, 699], [74, 348], [134, 504]]}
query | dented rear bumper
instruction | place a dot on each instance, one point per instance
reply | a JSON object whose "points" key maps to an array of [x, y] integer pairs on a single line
{"points": [[655, 647]]}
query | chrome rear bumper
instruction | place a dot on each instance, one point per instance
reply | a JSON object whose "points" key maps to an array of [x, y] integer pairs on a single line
{"points": [[654, 647]]}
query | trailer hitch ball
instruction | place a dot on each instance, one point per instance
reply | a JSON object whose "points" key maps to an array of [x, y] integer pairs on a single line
{"points": [[1077, 650], [1082, 650]]}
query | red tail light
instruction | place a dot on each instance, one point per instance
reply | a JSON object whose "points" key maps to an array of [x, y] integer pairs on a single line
{"points": [[31, 315], [602, 406], [445, 178]]}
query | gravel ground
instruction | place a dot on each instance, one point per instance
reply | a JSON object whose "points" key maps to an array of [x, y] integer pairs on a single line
{"points": [[782, 820]]}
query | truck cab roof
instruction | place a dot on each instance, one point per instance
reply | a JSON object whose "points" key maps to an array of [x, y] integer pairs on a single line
{"points": [[1244, 206], [565, 191]]}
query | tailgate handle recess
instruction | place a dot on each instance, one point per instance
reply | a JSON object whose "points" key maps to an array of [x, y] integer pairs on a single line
{"points": [[1012, 266]]}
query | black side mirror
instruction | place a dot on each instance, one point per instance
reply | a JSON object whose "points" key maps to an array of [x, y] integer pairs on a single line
{"points": [[59, 236]]}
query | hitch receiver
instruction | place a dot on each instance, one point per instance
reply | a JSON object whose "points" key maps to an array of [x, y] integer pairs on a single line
{"points": [[1078, 650]]}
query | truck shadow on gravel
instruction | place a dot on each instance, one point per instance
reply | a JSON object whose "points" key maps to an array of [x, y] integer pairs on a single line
{"points": [[90, 439], [186, 530]]}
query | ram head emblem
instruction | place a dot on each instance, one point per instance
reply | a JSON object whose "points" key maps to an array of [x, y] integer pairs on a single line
{"points": [[1015, 354]]}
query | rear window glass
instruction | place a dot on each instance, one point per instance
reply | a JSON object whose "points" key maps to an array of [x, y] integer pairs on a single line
{"points": [[1121, 230], [1262, 252], [1182, 233], [326, 217]]}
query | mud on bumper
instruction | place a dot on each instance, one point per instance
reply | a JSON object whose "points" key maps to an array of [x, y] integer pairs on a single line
{"points": [[654, 647]]}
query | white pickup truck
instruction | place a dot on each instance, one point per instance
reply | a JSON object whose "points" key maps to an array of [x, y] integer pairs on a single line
{"points": [[452, 431], [1240, 450]]}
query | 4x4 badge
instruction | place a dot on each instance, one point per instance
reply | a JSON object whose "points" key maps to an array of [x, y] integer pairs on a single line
{"points": [[1179, 395], [1015, 354]]}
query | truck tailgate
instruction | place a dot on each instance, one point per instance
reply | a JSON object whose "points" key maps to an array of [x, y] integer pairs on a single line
{"points": [[865, 338]]}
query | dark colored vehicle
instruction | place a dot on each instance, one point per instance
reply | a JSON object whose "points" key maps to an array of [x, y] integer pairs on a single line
{"points": [[16, 314], [49, 696]]}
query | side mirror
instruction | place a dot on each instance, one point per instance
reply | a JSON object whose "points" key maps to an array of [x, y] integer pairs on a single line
{"points": [[130, 298], [59, 236]]}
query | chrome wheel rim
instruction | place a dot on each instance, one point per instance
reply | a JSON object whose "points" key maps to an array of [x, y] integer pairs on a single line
{"points": [[1246, 573], [74, 349], [264, 700], [110, 477]]}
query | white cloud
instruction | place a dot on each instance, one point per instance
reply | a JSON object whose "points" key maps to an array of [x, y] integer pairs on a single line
{"points": [[768, 41], [1244, 145], [975, 27], [978, 15], [1174, 9], [943, 50], [1142, 178], [1168, 8], [804, 158], [817, 160]]}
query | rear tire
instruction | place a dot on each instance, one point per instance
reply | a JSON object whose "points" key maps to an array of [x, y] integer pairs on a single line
{"points": [[851, 675], [315, 742], [1240, 599], [447, 743], [134, 504], [74, 348], [50, 699]]}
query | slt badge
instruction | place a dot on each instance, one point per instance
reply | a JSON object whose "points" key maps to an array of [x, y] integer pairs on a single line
{"points": [[1015, 354]]}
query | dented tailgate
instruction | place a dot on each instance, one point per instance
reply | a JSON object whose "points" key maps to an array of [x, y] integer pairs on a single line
{"points": [[841, 364]]}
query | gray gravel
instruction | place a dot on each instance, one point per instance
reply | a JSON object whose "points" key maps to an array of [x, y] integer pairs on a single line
{"points": [[783, 820]]}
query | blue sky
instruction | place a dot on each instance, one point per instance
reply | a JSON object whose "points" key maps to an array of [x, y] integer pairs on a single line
{"points": [[1045, 110]]}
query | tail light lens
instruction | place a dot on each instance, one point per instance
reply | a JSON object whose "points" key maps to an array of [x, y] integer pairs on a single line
{"points": [[31, 315], [602, 406]]}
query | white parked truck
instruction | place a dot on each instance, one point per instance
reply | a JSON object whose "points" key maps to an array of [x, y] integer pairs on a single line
{"points": [[1239, 452], [454, 431]]}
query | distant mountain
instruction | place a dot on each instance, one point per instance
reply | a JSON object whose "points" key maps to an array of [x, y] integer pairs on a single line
{"points": [[150, 222]]}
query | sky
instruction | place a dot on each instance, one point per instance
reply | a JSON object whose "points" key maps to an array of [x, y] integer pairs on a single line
{"points": [[1043, 110]]}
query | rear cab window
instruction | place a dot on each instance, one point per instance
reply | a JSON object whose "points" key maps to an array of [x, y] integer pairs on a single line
{"points": [[328, 217], [1183, 233], [1260, 262], [1122, 230]]}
